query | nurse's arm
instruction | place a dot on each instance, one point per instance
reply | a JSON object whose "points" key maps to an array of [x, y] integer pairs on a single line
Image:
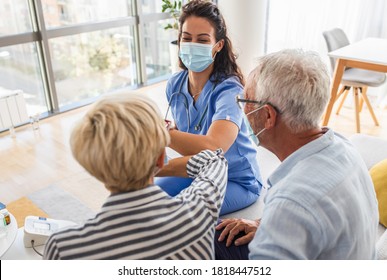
{"points": [[221, 134], [175, 167]]}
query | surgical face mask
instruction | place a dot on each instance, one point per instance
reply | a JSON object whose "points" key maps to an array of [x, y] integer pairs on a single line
{"points": [[196, 57], [253, 136]]}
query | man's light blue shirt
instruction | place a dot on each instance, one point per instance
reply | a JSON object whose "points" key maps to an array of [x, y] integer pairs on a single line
{"points": [[321, 204]]}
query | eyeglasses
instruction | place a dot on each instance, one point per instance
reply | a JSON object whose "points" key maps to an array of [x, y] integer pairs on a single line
{"points": [[239, 101]]}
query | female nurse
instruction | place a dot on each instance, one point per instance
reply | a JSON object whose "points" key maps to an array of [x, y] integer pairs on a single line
{"points": [[202, 100]]}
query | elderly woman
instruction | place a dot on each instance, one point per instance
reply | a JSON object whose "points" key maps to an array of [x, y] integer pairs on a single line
{"points": [[121, 141]]}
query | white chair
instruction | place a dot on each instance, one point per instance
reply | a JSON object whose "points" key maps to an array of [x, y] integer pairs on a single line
{"points": [[357, 79]]}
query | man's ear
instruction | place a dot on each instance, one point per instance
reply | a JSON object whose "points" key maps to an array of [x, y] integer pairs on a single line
{"points": [[271, 116]]}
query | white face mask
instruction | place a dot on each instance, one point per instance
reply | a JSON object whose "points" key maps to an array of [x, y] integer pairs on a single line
{"points": [[254, 137], [196, 57]]}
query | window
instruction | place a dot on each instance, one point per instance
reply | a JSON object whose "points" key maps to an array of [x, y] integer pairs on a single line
{"points": [[156, 49], [14, 17], [19, 69], [65, 53], [89, 64], [71, 12]]}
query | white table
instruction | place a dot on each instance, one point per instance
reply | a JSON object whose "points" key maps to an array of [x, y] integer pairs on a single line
{"points": [[369, 54], [19, 252], [9, 236]]}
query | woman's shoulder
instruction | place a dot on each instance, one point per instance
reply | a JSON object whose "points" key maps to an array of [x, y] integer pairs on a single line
{"points": [[178, 76], [175, 81], [228, 83]]}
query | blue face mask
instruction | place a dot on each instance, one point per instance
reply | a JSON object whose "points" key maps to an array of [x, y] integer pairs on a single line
{"points": [[196, 57], [253, 136]]}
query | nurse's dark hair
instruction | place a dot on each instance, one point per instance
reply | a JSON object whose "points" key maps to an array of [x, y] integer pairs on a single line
{"points": [[225, 61]]}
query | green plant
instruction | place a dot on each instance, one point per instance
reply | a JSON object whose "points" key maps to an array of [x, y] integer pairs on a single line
{"points": [[174, 9], [100, 54]]}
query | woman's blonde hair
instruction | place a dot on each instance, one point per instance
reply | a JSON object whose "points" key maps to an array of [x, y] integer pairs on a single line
{"points": [[119, 141]]}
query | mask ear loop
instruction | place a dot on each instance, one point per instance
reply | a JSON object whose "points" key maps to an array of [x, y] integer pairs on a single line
{"points": [[216, 51], [214, 56]]}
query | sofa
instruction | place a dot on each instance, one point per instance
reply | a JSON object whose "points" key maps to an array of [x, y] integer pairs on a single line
{"points": [[372, 149]]}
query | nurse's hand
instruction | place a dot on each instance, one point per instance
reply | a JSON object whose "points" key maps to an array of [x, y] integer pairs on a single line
{"points": [[169, 125], [231, 228]]}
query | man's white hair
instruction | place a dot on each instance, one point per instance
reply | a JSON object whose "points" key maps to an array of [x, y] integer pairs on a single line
{"points": [[297, 83]]}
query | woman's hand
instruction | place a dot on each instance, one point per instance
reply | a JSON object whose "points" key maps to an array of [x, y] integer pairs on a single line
{"points": [[231, 228]]}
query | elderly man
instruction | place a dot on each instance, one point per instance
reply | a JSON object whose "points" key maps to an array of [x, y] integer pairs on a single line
{"points": [[321, 202]]}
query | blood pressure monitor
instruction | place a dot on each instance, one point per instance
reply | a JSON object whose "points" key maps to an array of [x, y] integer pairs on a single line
{"points": [[39, 229]]}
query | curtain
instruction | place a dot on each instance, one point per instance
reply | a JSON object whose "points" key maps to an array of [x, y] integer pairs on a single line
{"points": [[300, 23]]}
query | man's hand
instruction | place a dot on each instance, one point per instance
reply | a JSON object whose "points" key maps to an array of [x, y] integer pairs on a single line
{"points": [[234, 226]]}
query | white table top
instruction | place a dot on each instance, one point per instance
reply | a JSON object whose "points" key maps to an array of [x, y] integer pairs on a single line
{"points": [[371, 50], [8, 237], [19, 252]]}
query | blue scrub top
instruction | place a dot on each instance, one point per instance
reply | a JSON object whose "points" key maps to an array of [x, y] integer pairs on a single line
{"points": [[242, 162]]}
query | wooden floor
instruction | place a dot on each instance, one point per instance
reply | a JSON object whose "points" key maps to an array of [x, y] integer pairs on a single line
{"points": [[37, 159]]}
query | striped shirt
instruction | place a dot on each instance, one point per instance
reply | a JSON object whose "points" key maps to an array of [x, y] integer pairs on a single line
{"points": [[149, 224]]}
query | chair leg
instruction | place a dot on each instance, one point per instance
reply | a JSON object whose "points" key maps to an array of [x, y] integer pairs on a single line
{"points": [[346, 91], [367, 102], [361, 102], [343, 88], [356, 101]]}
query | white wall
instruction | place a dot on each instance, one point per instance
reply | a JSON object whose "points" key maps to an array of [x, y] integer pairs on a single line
{"points": [[245, 20]]}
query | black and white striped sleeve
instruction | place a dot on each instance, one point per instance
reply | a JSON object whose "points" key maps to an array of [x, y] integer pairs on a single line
{"points": [[209, 169], [51, 249]]}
